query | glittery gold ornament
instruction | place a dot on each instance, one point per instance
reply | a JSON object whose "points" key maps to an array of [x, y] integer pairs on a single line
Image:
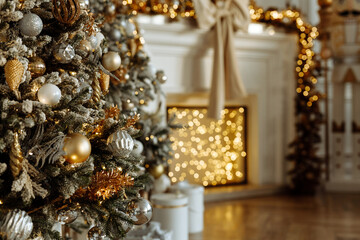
{"points": [[156, 170], [13, 73], [66, 11], [16, 157], [121, 74], [36, 66], [77, 148], [104, 82], [96, 91]]}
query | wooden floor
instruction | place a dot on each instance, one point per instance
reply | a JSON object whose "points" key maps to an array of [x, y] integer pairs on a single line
{"points": [[325, 217]]}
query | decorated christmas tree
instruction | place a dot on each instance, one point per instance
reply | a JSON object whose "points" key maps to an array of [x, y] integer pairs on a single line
{"points": [[136, 84], [65, 151]]}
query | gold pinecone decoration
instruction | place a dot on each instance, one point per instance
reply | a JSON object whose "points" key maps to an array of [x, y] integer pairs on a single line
{"points": [[13, 73], [66, 11]]}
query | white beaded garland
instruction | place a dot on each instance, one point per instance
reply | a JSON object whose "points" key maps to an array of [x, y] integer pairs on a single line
{"points": [[31, 25], [111, 61], [49, 94]]}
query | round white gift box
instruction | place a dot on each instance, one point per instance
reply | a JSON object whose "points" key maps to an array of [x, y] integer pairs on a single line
{"points": [[171, 210], [195, 194]]}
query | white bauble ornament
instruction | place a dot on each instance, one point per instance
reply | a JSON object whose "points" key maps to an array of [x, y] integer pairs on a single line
{"points": [[31, 25], [138, 147], [94, 41], [111, 61], [162, 184], [100, 37], [49, 94], [130, 28]]}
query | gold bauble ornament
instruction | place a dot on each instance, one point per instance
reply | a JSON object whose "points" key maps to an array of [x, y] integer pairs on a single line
{"points": [[85, 45], [325, 3], [111, 61], [156, 170], [77, 148], [66, 11], [36, 66], [13, 73]]}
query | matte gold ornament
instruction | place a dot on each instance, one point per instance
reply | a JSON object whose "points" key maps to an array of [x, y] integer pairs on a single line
{"points": [[16, 157], [13, 73], [66, 11], [36, 66], [104, 82], [77, 148], [156, 170]]}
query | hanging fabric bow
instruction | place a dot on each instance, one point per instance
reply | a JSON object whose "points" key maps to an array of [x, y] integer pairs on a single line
{"points": [[226, 17]]}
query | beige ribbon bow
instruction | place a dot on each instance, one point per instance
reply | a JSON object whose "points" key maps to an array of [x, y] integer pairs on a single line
{"points": [[226, 19]]}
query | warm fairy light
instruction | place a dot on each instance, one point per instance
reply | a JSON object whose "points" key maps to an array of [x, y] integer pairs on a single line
{"points": [[291, 19], [206, 151]]}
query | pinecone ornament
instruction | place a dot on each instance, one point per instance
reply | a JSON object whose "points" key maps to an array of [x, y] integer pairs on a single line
{"points": [[16, 225]]}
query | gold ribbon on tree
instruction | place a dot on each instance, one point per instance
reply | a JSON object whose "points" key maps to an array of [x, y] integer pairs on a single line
{"points": [[226, 17]]}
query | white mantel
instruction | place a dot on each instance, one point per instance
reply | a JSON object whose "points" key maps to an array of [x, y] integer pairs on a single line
{"points": [[266, 64]]}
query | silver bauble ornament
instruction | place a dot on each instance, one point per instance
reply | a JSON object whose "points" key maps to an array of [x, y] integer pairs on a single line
{"points": [[65, 53], [67, 216], [96, 233], [16, 225], [111, 61], [161, 77], [121, 143], [31, 25], [129, 27], [115, 35], [142, 211], [109, 9]]}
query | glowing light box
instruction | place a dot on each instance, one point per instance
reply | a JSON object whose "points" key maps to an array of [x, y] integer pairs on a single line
{"points": [[206, 151]]}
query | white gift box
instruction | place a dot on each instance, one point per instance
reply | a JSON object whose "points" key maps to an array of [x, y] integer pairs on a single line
{"points": [[171, 210], [195, 194], [149, 232]]}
